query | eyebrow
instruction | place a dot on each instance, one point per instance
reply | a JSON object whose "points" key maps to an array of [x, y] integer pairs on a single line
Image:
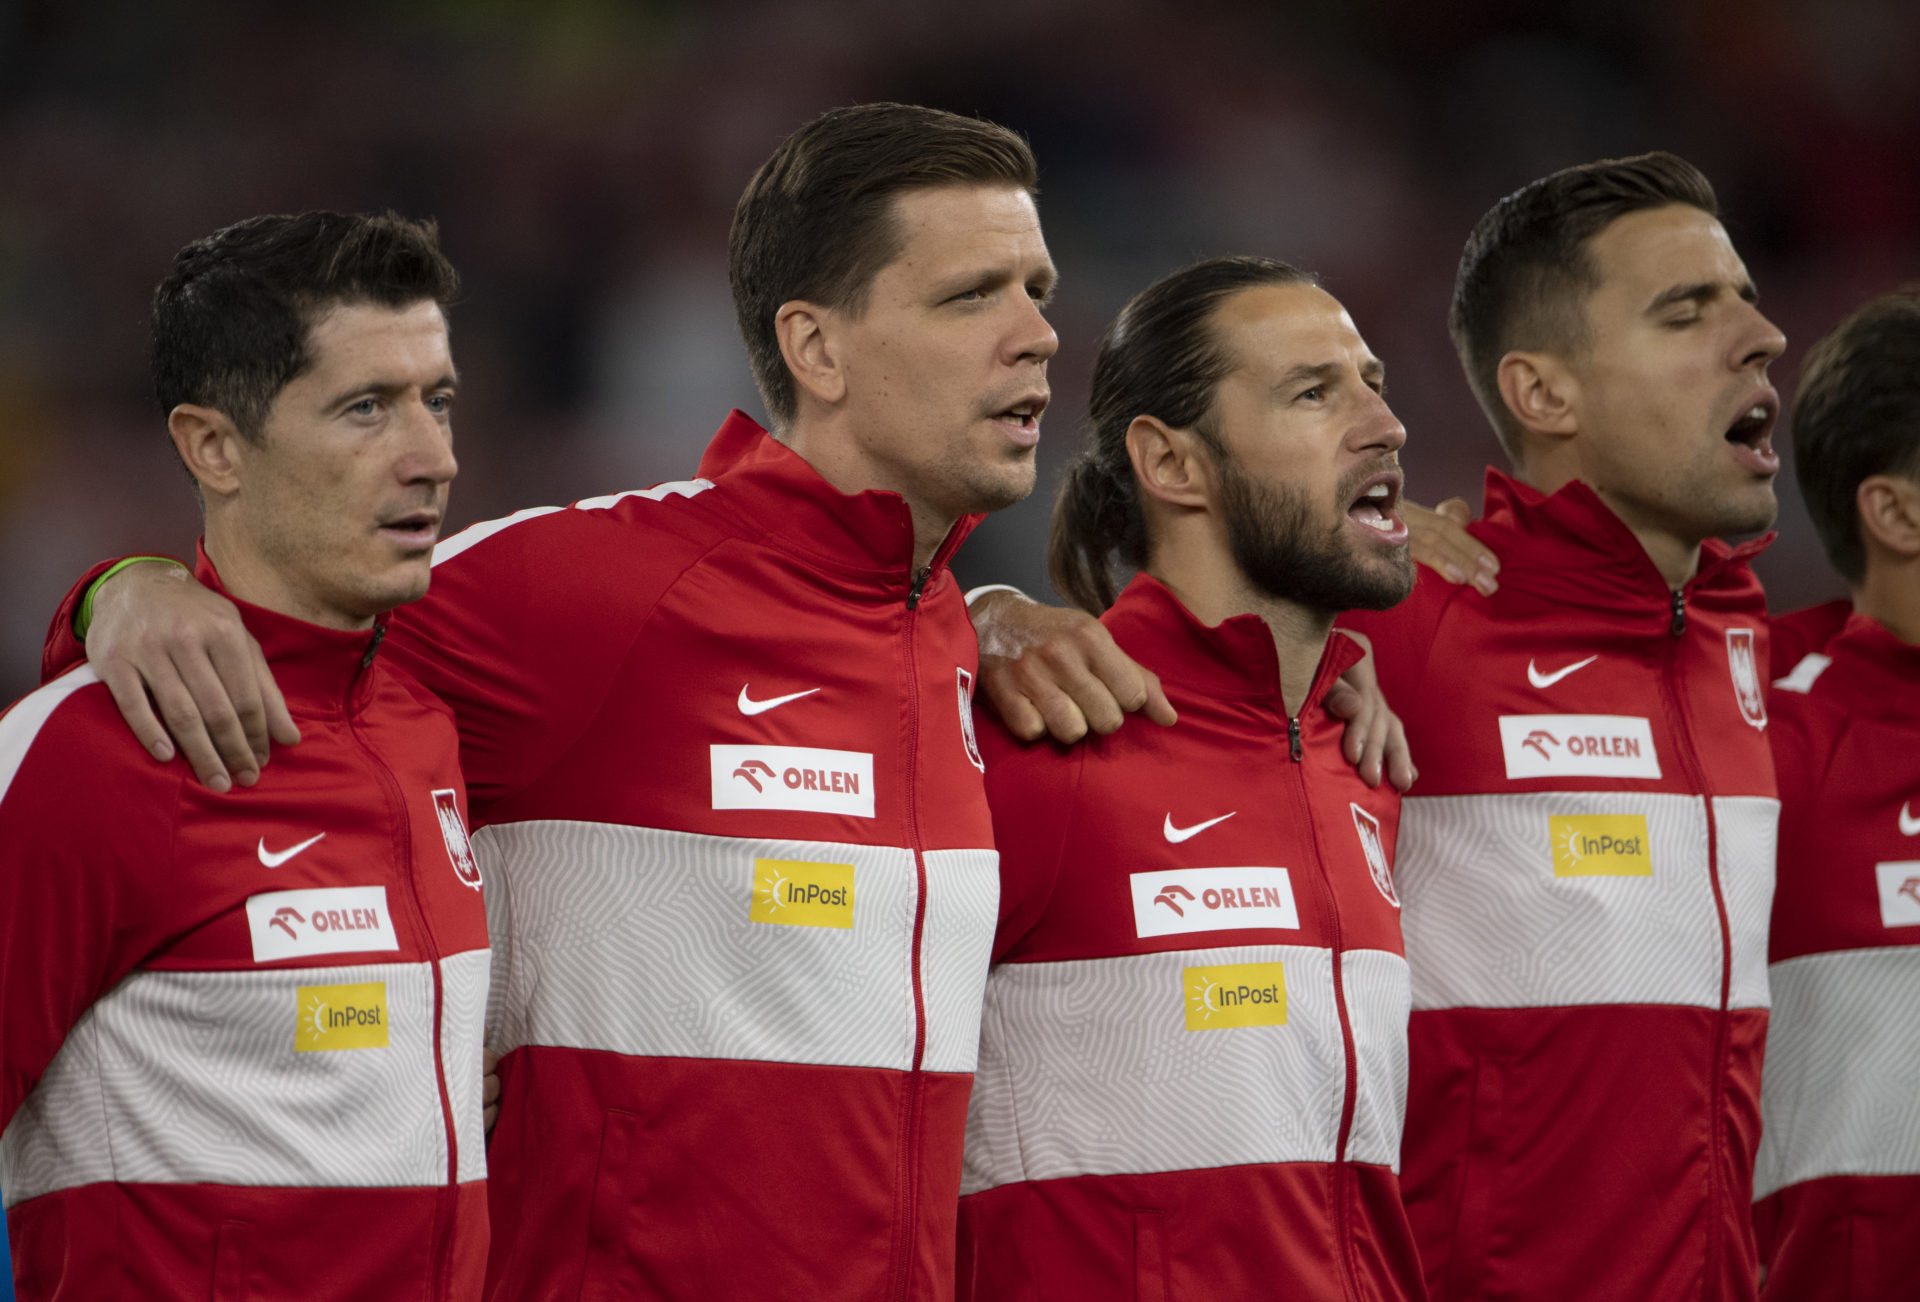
{"points": [[1327, 372], [1046, 278], [447, 380], [1701, 293]]}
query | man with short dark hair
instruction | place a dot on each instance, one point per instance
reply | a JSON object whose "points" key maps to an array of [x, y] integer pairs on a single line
{"points": [[1192, 1076], [240, 1032], [1587, 868], [739, 860], [1837, 1183]]}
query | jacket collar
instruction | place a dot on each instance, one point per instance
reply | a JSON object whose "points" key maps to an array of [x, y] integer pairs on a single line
{"points": [[1873, 668], [1234, 659], [1570, 546], [318, 670], [772, 490]]}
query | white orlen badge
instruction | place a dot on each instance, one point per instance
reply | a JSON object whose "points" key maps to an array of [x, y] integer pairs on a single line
{"points": [[453, 830], [324, 920], [792, 777], [1175, 901], [1899, 893], [1746, 676], [1578, 745]]}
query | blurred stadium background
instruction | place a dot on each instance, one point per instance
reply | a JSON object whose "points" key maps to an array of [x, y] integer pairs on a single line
{"points": [[583, 157]]}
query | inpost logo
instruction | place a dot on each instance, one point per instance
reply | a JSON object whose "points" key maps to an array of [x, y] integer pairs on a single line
{"points": [[341, 1017], [1238, 994], [797, 893], [1600, 845]]}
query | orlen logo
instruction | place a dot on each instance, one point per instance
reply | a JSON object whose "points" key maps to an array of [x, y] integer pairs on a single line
{"points": [[328, 920], [1578, 745], [793, 777], [1176, 901], [797, 893], [1899, 892], [1238, 994], [1600, 845], [341, 1017]]}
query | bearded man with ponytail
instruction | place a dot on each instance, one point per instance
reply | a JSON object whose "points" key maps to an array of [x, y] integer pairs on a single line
{"points": [[1193, 1060]]}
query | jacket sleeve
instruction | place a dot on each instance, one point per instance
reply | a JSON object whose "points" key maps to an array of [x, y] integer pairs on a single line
{"points": [[62, 650], [1031, 790], [85, 849], [525, 626]]}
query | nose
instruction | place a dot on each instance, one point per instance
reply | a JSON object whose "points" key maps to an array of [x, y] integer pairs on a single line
{"points": [[1031, 338], [1377, 429], [427, 455], [1761, 341]]}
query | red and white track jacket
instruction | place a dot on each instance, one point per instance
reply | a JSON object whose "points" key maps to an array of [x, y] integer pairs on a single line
{"points": [[1193, 1053], [240, 1034], [740, 878], [1838, 1179], [1587, 868]]}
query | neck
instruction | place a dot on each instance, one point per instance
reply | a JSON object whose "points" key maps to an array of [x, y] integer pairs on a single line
{"points": [[836, 456], [1677, 559], [1213, 588], [1890, 596], [248, 577]]}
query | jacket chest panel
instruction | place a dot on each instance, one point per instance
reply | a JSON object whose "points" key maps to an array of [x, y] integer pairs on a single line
{"points": [[337, 855], [804, 717]]}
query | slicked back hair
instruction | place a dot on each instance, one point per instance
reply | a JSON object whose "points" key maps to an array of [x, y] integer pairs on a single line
{"points": [[1528, 266], [816, 223], [1161, 357], [232, 322], [1857, 414]]}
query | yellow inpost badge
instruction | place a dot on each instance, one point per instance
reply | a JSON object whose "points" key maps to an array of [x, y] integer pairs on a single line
{"points": [[1239, 994], [796, 893], [342, 1017], [1600, 845]]}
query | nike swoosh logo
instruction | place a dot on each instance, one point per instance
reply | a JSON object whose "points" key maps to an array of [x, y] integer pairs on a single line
{"points": [[1539, 679], [1909, 825], [273, 860], [750, 706], [1179, 834]]}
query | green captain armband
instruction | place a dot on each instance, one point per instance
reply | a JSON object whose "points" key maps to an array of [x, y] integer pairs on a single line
{"points": [[83, 617]]}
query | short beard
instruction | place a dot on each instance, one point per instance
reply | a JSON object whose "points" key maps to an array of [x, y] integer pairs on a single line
{"points": [[1270, 531]]}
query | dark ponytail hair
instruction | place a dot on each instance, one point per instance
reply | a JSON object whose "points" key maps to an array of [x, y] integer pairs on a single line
{"points": [[1159, 358]]}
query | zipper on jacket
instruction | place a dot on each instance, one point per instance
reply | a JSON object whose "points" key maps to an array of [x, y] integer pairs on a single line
{"points": [[397, 806], [1341, 1175], [1696, 777], [907, 1234]]}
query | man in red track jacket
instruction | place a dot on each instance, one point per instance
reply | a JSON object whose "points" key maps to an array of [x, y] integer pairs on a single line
{"points": [[240, 1032], [1588, 866], [1193, 1054], [739, 858], [1837, 1186]]}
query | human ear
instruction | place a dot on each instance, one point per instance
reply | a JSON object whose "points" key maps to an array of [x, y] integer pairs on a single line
{"points": [[1889, 507], [1540, 392], [210, 445], [809, 342], [1170, 463]]}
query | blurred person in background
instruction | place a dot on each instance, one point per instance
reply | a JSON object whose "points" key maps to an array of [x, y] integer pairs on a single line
{"points": [[1837, 1184], [1587, 870], [240, 1032], [1192, 1077]]}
